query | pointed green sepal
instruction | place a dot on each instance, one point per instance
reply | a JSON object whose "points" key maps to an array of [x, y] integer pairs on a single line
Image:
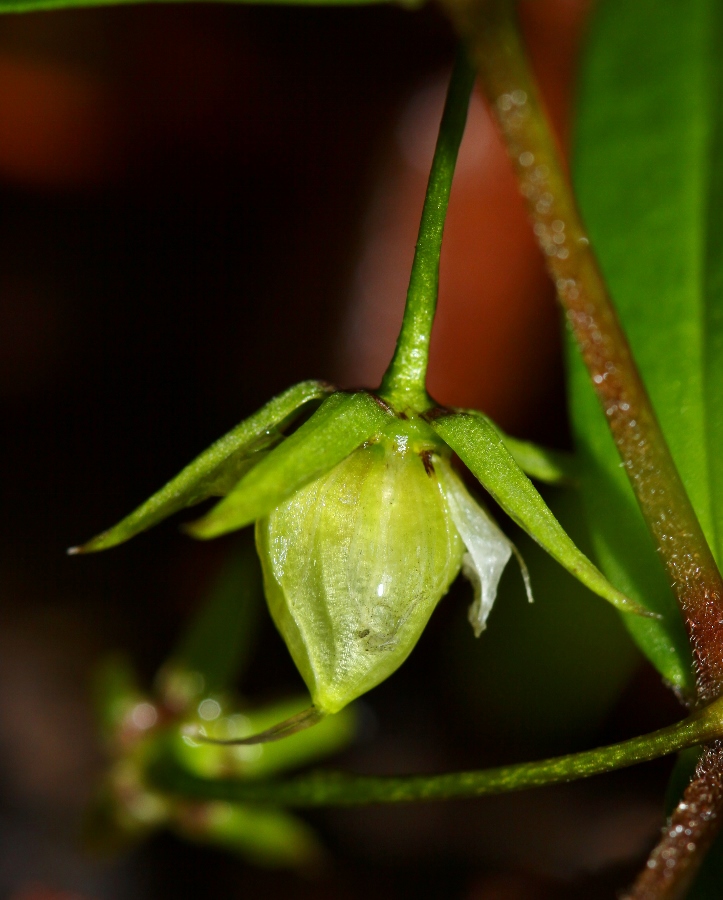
{"points": [[479, 445], [218, 469], [342, 423], [541, 463]]}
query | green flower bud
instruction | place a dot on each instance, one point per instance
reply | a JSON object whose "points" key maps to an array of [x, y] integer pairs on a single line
{"points": [[362, 525], [355, 562]]}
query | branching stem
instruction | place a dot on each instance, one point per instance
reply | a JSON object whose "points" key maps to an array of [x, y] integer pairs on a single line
{"points": [[336, 789], [492, 35], [692, 828], [490, 29]]}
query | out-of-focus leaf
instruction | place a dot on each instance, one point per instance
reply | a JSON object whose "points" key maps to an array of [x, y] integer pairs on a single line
{"points": [[541, 463], [116, 691], [480, 447], [621, 540], [218, 640], [341, 424], [263, 835], [215, 472], [650, 186], [550, 466]]}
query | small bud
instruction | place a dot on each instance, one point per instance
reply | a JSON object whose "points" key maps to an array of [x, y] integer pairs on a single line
{"points": [[356, 561], [362, 525]]}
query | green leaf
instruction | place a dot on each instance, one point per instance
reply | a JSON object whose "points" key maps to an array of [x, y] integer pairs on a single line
{"points": [[541, 463], [218, 468], [341, 424], [621, 540], [650, 186], [18, 6], [480, 447], [264, 836]]}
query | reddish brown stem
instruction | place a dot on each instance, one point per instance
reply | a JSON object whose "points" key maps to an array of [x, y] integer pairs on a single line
{"points": [[688, 834], [490, 29]]}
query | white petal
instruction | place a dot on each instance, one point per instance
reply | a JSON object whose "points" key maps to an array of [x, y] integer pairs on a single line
{"points": [[488, 550]]}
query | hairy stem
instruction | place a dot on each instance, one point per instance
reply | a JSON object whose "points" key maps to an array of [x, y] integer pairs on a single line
{"points": [[491, 32], [688, 834], [404, 381], [335, 789], [492, 35]]}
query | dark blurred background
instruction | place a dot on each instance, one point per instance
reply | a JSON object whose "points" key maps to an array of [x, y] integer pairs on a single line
{"points": [[200, 205]]}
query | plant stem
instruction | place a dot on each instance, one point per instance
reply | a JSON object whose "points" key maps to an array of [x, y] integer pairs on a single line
{"points": [[405, 380], [336, 789], [688, 834], [491, 32], [490, 29]]}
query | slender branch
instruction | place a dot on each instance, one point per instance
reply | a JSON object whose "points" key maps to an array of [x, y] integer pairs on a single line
{"points": [[688, 834], [404, 381], [337, 789], [490, 29]]}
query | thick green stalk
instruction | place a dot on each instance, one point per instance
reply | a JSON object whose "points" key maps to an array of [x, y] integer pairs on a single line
{"points": [[336, 789], [404, 382]]}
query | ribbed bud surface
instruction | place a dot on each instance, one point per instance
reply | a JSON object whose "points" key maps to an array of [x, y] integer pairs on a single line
{"points": [[354, 564]]}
